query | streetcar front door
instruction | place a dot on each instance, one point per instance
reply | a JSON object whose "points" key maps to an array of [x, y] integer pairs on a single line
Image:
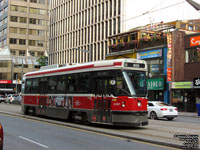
{"points": [[102, 101]]}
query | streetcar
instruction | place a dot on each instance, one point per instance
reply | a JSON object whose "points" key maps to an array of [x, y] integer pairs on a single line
{"points": [[109, 92]]}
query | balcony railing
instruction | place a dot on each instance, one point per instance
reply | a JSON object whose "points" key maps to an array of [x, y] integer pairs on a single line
{"points": [[133, 44]]}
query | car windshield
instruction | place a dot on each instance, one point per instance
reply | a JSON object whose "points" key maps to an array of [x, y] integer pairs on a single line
{"points": [[162, 104]]}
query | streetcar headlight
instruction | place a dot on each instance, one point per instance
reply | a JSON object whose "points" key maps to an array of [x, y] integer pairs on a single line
{"points": [[123, 104], [139, 104]]}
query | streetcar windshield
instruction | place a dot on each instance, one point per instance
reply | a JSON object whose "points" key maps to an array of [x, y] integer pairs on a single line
{"points": [[131, 83], [138, 82]]}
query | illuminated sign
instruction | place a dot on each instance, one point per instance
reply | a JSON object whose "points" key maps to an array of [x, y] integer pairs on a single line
{"points": [[195, 41], [5, 81]]}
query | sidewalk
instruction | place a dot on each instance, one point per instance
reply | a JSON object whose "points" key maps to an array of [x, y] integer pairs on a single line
{"points": [[189, 114]]}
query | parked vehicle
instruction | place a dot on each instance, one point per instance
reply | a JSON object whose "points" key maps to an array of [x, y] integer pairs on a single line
{"points": [[1, 137], [2, 98], [17, 100], [11, 97], [158, 109]]}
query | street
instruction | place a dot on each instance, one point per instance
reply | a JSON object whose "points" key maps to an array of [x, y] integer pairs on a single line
{"points": [[25, 134], [30, 130]]}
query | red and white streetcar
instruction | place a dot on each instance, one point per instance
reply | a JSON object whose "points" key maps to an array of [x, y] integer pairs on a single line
{"points": [[106, 92]]}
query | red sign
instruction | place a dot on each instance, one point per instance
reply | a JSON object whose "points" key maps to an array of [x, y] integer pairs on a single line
{"points": [[5, 81], [195, 41], [169, 74]]}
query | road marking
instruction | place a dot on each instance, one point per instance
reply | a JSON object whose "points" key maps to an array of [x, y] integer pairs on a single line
{"points": [[33, 142]]}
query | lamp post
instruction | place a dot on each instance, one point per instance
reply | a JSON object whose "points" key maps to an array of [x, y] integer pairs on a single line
{"points": [[87, 51]]}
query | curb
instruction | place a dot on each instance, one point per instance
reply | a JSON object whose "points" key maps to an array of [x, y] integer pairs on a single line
{"points": [[76, 126]]}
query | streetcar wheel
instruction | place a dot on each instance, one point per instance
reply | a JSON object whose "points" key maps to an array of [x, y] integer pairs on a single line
{"points": [[153, 115]]}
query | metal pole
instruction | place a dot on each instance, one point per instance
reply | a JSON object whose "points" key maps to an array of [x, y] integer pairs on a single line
{"points": [[16, 82]]}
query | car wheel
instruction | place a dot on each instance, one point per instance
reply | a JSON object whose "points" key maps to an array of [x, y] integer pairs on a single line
{"points": [[153, 115], [170, 118]]}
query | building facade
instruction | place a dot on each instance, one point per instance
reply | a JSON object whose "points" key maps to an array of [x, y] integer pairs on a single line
{"points": [[79, 29], [24, 26], [185, 85], [23, 38], [172, 60]]}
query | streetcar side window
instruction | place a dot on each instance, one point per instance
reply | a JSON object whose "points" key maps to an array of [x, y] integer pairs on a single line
{"points": [[71, 83], [28, 85], [35, 86], [52, 84], [83, 83], [61, 84]]}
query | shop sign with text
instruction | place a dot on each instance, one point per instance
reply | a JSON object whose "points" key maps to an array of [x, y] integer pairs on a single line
{"points": [[155, 84], [5, 81], [182, 85], [149, 54], [195, 41]]}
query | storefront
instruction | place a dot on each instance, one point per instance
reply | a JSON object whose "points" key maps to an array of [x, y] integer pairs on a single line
{"points": [[157, 73], [155, 89], [185, 95]]}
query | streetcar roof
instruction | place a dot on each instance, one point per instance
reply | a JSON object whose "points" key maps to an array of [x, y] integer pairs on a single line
{"points": [[90, 66]]}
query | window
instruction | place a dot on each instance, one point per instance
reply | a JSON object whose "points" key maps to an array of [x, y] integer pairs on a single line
{"points": [[32, 32], [22, 19], [13, 30], [52, 84], [33, 1], [83, 83], [32, 43], [22, 30], [13, 52], [22, 41], [71, 83], [40, 54], [22, 9], [33, 11], [35, 86], [41, 11], [40, 43], [32, 21], [192, 55], [41, 32], [41, 1], [41, 22], [150, 104], [28, 86], [13, 19], [22, 53], [61, 84], [13, 41], [14, 8]]}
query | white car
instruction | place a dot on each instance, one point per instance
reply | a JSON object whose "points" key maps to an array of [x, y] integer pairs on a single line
{"points": [[158, 109]]}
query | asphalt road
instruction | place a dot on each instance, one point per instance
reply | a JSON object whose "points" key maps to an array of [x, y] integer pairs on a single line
{"points": [[158, 131], [26, 134]]}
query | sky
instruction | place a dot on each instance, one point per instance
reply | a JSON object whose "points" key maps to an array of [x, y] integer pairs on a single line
{"points": [[142, 12]]}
